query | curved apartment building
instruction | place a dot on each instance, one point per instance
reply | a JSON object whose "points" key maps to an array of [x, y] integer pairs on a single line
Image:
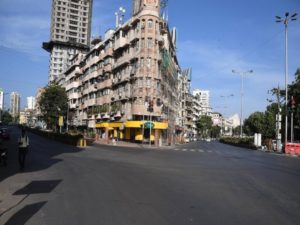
{"points": [[125, 87]]}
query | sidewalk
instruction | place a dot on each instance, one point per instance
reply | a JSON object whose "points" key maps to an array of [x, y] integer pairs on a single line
{"points": [[129, 144]]}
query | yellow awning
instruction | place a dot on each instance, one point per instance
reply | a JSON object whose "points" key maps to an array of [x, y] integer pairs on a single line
{"points": [[138, 124], [109, 124], [131, 124]]}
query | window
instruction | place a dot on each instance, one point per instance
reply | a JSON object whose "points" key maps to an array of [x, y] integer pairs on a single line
{"points": [[137, 46], [148, 82], [73, 33], [150, 24], [150, 43], [73, 22], [149, 62], [72, 28], [143, 43]]}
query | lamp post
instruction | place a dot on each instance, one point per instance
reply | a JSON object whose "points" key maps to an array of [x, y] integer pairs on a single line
{"points": [[120, 16], [285, 21], [225, 97], [243, 73]]}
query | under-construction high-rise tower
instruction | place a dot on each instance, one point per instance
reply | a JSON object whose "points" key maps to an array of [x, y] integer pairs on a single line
{"points": [[70, 33]]}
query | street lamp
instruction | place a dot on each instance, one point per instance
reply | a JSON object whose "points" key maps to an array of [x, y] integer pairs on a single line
{"points": [[285, 21], [243, 73], [225, 97], [120, 16]]}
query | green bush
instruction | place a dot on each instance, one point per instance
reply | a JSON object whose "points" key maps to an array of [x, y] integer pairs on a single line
{"points": [[246, 142], [63, 138]]}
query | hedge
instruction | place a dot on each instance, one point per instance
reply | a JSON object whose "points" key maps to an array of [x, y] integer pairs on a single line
{"points": [[246, 142], [63, 138]]}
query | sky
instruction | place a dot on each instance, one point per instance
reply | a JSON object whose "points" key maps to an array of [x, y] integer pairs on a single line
{"points": [[214, 38]]}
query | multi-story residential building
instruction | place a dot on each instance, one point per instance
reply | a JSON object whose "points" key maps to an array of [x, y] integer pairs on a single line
{"points": [[1, 99], [31, 103], [126, 86], [202, 97], [70, 33], [14, 109], [184, 121], [1, 103]]}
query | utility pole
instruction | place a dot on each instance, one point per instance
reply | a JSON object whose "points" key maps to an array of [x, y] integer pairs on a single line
{"points": [[278, 122], [285, 21], [242, 95]]}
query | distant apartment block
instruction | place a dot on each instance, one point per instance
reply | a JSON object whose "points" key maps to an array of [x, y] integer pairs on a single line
{"points": [[185, 121], [70, 33], [31, 103], [201, 98], [14, 109], [1, 99]]}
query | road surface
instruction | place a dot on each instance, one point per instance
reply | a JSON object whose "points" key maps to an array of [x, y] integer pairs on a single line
{"points": [[197, 183]]}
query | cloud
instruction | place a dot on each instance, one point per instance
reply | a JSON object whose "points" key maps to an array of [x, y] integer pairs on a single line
{"points": [[212, 70], [24, 22], [24, 34]]}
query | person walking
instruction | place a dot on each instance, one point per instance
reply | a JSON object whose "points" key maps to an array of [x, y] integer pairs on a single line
{"points": [[23, 148]]}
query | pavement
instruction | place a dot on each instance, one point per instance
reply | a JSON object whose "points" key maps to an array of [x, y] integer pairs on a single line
{"points": [[130, 144]]}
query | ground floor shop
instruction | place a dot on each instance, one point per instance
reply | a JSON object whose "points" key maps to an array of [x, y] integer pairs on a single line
{"points": [[134, 131]]}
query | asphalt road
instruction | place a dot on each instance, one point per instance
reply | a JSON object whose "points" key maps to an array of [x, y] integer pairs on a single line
{"points": [[198, 183]]}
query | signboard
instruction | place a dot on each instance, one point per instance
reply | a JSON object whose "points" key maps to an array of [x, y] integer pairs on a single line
{"points": [[148, 125], [60, 121]]}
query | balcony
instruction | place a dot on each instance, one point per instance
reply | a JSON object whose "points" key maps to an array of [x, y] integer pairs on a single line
{"points": [[133, 36], [104, 84], [72, 85], [90, 102], [78, 71], [124, 60], [73, 96], [121, 96], [107, 68], [119, 43], [93, 61]]}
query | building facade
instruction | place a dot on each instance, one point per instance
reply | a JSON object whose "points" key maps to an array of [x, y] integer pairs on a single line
{"points": [[70, 33], [14, 108], [184, 121], [202, 99], [31, 103], [1, 100], [125, 87]]}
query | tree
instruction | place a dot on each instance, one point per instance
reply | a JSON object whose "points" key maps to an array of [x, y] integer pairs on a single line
{"points": [[254, 123], [53, 103], [236, 131], [215, 131], [204, 125], [270, 121], [294, 91], [6, 117]]}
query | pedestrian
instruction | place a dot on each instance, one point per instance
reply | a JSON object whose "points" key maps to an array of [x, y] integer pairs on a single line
{"points": [[23, 148]]}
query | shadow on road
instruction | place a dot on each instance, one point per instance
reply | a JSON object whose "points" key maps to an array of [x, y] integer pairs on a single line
{"points": [[42, 153], [34, 187], [23, 215]]}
